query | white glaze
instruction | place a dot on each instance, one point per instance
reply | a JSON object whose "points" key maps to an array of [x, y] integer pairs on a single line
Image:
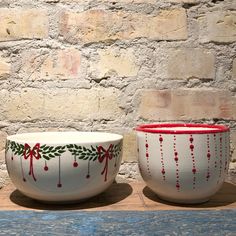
{"points": [[190, 190], [66, 177]]}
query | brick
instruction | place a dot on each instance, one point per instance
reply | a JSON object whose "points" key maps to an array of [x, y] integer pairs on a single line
{"points": [[3, 136], [129, 147], [185, 63], [23, 24], [184, 1], [218, 26], [186, 104], [60, 104], [113, 1], [121, 62], [234, 69], [100, 25], [55, 64], [4, 68]]}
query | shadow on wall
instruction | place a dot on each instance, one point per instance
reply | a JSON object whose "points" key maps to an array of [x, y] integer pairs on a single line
{"points": [[121, 190], [225, 196]]}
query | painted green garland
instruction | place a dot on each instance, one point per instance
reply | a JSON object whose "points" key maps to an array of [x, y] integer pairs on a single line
{"points": [[49, 152]]}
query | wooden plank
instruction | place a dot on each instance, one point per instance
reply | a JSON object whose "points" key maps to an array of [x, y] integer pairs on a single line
{"points": [[119, 197]]}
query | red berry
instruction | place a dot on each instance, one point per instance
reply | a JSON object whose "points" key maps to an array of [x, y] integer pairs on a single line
{"points": [[146, 145], [45, 168], [163, 171], [176, 159], [191, 140], [75, 164], [147, 155], [208, 155], [160, 139], [176, 153], [194, 170], [191, 146]]}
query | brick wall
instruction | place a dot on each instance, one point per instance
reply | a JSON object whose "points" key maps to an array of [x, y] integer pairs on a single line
{"points": [[111, 64]]}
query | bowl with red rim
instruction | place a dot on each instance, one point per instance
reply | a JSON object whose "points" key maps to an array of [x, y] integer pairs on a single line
{"points": [[183, 163], [63, 166]]}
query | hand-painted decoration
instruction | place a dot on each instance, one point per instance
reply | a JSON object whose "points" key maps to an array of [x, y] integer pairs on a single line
{"points": [[194, 170], [37, 152], [176, 159], [216, 151], [147, 155], [220, 161], [162, 159]]}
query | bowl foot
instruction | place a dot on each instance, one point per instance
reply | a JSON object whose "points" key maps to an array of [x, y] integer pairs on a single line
{"points": [[184, 201]]}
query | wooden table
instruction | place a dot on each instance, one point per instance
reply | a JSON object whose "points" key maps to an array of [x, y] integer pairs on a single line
{"points": [[130, 196]]}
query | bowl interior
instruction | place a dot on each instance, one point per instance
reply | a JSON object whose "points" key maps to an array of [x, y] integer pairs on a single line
{"points": [[65, 137]]}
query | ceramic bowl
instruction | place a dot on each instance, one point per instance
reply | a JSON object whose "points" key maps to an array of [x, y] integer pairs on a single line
{"points": [[63, 166], [183, 163]]}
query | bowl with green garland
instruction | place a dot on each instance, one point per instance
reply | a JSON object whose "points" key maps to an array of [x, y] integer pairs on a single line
{"points": [[63, 166]]}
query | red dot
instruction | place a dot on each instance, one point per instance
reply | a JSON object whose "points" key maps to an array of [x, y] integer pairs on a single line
{"points": [[191, 139], [146, 145], [176, 159], [191, 146], [176, 153], [88, 176], [45, 168], [59, 185], [177, 186], [147, 155], [75, 164], [208, 155], [194, 170], [160, 139], [163, 171]]}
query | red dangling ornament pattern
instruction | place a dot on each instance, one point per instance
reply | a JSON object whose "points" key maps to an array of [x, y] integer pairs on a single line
{"points": [[176, 159], [163, 172], [220, 161], [194, 170], [208, 155], [216, 151]]}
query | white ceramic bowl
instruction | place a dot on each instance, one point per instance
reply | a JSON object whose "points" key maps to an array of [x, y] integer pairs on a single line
{"points": [[183, 163], [63, 166]]}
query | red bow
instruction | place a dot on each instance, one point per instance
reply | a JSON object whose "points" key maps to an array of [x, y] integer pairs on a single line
{"points": [[31, 153], [105, 154]]}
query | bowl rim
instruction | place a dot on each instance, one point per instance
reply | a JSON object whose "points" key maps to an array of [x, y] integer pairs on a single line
{"points": [[153, 128], [15, 137]]}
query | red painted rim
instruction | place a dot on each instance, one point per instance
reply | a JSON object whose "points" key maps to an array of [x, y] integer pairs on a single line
{"points": [[153, 128]]}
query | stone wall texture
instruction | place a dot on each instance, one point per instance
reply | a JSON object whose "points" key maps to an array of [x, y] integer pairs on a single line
{"points": [[109, 65]]}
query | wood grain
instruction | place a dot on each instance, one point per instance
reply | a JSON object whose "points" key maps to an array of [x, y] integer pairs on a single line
{"points": [[119, 197]]}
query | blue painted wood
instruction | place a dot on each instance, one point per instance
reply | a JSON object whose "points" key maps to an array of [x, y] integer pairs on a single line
{"points": [[115, 223]]}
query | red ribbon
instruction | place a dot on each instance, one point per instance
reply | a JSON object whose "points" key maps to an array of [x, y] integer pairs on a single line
{"points": [[107, 155], [32, 153]]}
